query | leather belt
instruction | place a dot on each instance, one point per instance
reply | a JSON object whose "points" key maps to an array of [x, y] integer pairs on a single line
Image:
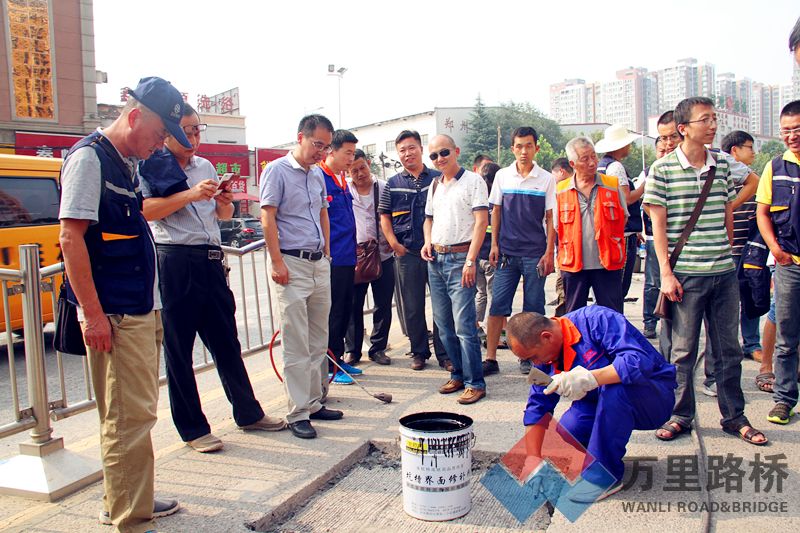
{"points": [[304, 254], [212, 253], [452, 248]]}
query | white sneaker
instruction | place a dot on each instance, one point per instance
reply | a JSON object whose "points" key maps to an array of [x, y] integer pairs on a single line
{"points": [[711, 390]]}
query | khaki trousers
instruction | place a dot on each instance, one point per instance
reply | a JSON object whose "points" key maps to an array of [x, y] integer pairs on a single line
{"points": [[126, 387], [304, 304]]}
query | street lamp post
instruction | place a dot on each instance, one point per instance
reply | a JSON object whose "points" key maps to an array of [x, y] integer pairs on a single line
{"points": [[333, 71]]}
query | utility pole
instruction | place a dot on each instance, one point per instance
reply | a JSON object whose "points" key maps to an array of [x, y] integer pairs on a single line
{"points": [[333, 71], [498, 144]]}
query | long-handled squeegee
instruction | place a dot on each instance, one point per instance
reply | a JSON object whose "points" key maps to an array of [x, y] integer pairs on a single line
{"points": [[385, 397]]}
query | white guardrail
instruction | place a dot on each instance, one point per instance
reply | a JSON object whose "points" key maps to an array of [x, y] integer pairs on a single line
{"points": [[247, 278]]}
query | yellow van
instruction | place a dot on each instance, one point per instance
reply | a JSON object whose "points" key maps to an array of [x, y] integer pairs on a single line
{"points": [[29, 200]]}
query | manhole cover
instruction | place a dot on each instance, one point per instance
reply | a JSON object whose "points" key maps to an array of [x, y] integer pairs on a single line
{"points": [[369, 497]]}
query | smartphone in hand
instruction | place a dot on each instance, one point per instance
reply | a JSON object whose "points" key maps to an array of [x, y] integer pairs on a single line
{"points": [[224, 183]]}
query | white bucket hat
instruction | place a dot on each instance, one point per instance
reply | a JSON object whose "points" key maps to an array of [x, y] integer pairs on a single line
{"points": [[614, 138]]}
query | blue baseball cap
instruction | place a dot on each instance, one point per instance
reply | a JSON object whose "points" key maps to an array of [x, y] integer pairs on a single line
{"points": [[160, 97]]}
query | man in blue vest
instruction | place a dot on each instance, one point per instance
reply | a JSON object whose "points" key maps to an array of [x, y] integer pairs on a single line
{"points": [[778, 216], [616, 145], [343, 249], [110, 259], [615, 379], [402, 209]]}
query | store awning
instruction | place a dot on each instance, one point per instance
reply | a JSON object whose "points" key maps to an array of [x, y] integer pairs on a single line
{"points": [[244, 196]]}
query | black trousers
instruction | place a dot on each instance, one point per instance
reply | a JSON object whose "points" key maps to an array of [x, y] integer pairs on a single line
{"points": [[606, 284], [632, 250], [341, 308], [382, 290], [412, 272], [197, 300]]}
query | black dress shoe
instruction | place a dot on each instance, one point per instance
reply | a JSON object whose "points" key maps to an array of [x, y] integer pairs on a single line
{"points": [[303, 429], [327, 414]]}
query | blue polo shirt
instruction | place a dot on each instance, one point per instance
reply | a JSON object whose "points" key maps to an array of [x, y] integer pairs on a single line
{"points": [[342, 221], [299, 195], [524, 201]]}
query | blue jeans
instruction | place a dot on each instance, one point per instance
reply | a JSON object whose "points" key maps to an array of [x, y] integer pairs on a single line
{"points": [[652, 286], [716, 297], [751, 336], [454, 313], [787, 309], [506, 278]]}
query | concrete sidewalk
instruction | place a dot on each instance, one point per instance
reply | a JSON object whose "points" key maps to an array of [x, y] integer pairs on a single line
{"points": [[259, 480]]}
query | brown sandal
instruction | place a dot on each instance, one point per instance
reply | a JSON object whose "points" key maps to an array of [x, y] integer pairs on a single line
{"points": [[765, 382], [748, 435], [669, 427]]}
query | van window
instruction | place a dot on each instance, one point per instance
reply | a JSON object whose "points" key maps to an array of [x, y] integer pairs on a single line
{"points": [[28, 202]]}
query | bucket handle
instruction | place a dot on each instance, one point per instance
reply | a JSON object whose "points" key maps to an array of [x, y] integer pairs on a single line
{"points": [[473, 440]]}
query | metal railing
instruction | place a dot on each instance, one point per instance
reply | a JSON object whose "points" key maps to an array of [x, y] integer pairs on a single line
{"points": [[248, 279]]}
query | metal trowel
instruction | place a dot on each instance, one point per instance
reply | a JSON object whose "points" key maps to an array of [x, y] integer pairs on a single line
{"points": [[537, 377]]}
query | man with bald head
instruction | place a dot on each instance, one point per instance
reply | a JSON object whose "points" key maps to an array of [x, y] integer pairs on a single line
{"points": [[456, 217]]}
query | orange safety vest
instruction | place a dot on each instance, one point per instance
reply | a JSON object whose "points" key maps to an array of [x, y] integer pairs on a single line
{"points": [[609, 225]]}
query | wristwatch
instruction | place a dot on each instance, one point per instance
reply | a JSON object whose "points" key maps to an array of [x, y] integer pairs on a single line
{"points": [[470, 263]]}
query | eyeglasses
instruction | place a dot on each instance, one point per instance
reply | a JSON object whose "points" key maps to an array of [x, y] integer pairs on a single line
{"points": [[749, 146], [707, 121], [195, 129], [444, 152], [319, 146], [789, 133], [672, 137]]}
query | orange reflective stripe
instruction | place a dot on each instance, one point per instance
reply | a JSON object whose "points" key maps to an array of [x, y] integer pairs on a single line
{"points": [[116, 236]]}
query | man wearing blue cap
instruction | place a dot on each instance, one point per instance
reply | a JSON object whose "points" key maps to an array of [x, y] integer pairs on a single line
{"points": [[110, 260]]}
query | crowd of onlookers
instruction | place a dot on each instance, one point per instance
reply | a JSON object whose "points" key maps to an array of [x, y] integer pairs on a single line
{"points": [[141, 246]]}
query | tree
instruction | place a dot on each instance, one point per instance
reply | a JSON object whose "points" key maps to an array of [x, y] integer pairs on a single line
{"points": [[481, 137], [633, 163], [547, 154], [769, 150]]}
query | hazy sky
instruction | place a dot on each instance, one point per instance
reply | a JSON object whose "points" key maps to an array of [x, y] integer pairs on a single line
{"points": [[411, 56]]}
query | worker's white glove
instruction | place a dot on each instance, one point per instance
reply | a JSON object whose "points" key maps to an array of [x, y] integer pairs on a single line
{"points": [[572, 385]]}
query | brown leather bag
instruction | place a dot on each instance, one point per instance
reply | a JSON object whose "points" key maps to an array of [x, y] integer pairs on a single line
{"points": [[663, 307], [368, 254]]}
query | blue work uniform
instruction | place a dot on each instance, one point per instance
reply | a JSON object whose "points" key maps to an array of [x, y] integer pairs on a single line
{"points": [[603, 420]]}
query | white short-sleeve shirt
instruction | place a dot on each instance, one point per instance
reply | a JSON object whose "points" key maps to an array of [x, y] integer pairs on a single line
{"points": [[452, 207]]}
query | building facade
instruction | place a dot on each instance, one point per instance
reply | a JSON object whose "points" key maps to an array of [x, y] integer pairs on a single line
{"points": [[48, 85]]}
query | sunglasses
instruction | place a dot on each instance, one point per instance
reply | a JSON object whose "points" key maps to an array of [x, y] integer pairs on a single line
{"points": [[443, 153]]}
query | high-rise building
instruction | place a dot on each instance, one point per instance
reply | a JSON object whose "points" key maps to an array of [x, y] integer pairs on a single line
{"points": [[676, 83], [574, 101], [765, 107], [626, 100], [796, 79]]}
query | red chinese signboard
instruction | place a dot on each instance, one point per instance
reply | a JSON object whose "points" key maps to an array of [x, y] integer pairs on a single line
{"points": [[264, 156], [44, 144], [233, 158]]}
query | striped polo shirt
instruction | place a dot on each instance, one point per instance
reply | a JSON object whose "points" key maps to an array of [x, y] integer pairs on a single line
{"points": [[674, 184], [523, 201]]}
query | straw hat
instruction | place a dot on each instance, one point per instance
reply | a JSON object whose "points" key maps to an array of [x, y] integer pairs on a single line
{"points": [[614, 138]]}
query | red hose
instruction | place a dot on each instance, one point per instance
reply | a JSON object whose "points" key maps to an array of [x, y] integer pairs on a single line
{"points": [[272, 359]]}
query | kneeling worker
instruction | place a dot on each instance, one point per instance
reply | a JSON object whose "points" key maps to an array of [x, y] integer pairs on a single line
{"points": [[616, 380]]}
